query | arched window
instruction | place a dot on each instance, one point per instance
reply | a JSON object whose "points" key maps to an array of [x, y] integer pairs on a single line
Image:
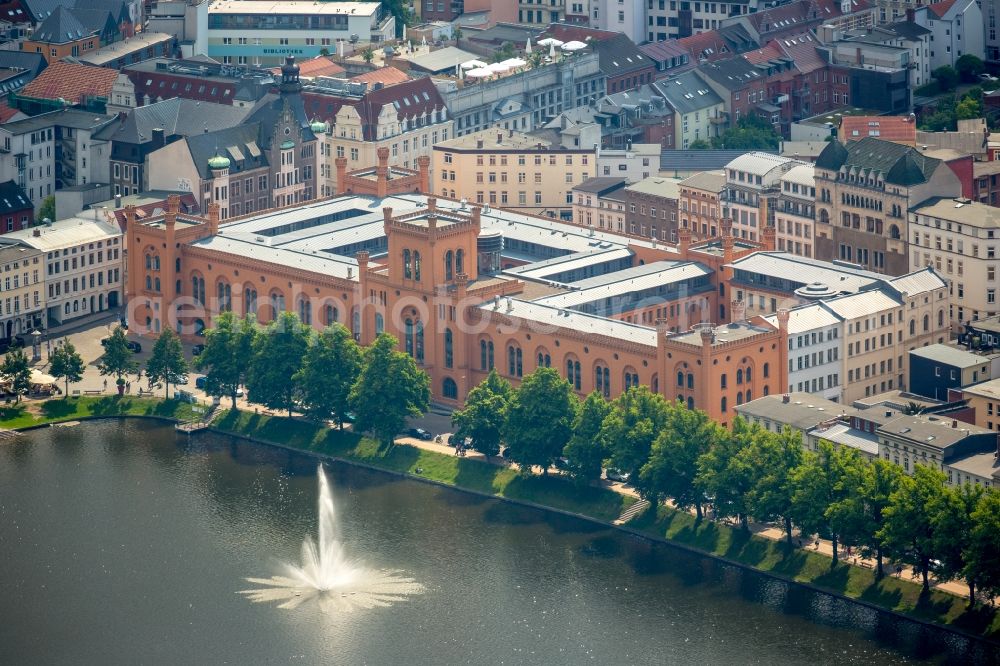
{"points": [[449, 388], [156, 284], [198, 289], [655, 384], [631, 378], [515, 361], [149, 262], [332, 315], [749, 375], [893, 231], [177, 265], [690, 381], [156, 262], [379, 323], [739, 398], [225, 296], [416, 266], [459, 261], [927, 323], [149, 283], [573, 373], [544, 359], [179, 287], [767, 390], [722, 380], [724, 405], [602, 380], [66, 308], [940, 318], [277, 304], [249, 301], [739, 376], [767, 370], [913, 327], [680, 379], [305, 311], [407, 267], [408, 336], [449, 260], [485, 355], [449, 348], [356, 323], [749, 395]]}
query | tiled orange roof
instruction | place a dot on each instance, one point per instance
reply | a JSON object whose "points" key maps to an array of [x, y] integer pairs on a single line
{"points": [[387, 76], [898, 129], [6, 113], [71, 82], [763, 55], [941, 8], [318, 66]]}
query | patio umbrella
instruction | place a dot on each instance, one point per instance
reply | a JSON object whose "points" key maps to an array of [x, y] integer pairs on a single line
{"points": [[552, 51], [573, 46], [549, 41], [527, 46], [498, 68], [38, 377], [478, 73], [473, 64], [515, 62]]}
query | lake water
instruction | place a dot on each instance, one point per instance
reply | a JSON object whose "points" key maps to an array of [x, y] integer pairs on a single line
{"points": [[122, 542]]}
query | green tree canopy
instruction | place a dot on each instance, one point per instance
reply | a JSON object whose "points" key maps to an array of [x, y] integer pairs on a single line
{"points": [[951, 517], [822, 488], [390, 388], [880, 480], [540, 419], [908, 529], [946, 76], [584, 451], [227, 354], [969, 67], [751, 132], [772, 458], [66, 363], [483, 416], [672, 468], [48, 209], [331, 366], [636, 419], [166, 363], [17, 370], [278, 351], [724, 474], [982, 555], [117, 359]]}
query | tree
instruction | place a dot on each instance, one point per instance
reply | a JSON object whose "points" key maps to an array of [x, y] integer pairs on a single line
{"points": [[17, 370], [505, 52], [324, 52], [48, 209], [822, 484], [389, 388], [908, 531], [699, 144], [946, 77], [67, 364], [672, 468], [368, 54], [724, 474], [750, 133], [951, 517], [278, 351], [227, 355], [968, 108], [117, 359], [166, 363], [969, 67], [584, 450], [331, 366], [628, 432], [982, 553], [540, 419], [881, 479], [772, 459], [482, 418]]}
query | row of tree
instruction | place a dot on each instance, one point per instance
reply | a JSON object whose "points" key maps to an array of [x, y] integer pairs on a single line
{"points": [[679, 454]]}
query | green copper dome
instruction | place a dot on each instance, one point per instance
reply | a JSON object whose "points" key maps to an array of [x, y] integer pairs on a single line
{"points": [[317, 126], [287, 145], [218, 162]]}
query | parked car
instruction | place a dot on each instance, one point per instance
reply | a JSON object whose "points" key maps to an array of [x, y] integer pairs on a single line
{"points": [[617, 475], [135, 347], [200, 383], [987, 77], [181, 381], [197, 349], [420, 433]]}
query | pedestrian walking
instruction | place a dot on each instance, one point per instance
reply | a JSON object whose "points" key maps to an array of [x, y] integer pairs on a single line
{"points": [[128, 387], [105, 384]]}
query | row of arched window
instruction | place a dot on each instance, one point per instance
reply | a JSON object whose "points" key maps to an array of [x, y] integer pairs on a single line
{"points": [[454, 263], [411, 264]]}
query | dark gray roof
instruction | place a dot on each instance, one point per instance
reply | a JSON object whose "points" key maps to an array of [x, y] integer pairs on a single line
{"points": [[34, 63], [506, 32], [176, 117], [13, 198], [733, 73], [75, 118], [699, 160], [888, 32], [61, 27], [619, 55], [899, 164], [206, 145], [687, 93], [601, 185]]}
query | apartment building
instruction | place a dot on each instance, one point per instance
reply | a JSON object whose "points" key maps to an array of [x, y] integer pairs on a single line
{"points": [[753, 182], [957, 29], [795, 210], [638, 161], [815, 351], [81, 267], [699, 204], [960, 239], [698, 111], [22, 307], [863, 193], [600, 202], [354, 122], [512, 170], [651, 208]]}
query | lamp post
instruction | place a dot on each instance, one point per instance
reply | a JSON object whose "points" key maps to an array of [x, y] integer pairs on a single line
{"points": [[36, 345]]}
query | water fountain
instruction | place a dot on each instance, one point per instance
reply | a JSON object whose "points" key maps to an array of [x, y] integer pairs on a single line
{"points": [[328, 575]]}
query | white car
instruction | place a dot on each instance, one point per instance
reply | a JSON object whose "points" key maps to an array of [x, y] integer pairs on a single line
{"points": [[617, 475]]}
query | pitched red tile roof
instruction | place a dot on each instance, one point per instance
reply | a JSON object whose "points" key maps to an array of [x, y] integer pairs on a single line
{"points": [[941, 8], [764, 55], [569, 33], [898, 129], [318, 66], [6, 113], [387, 76], [802, 49], [709, 45], [72, 82]]}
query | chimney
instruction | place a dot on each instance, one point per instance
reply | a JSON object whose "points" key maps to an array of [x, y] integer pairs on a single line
{"points": [[785, 398], [910, 14], [424, 169], [499, 138], [496, 302], [341, 164], [159, 138], [479, 144], [36, 232], [382, 173], [118, 201], [954, 423], [213, 218]]}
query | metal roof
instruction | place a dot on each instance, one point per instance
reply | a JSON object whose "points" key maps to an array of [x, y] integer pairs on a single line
{"points": [[918, 282], [803, 270], [844, 435], [949, 355], [759, 163], [548, 318], [65, 233], [807, 318], [802, 411], [863, 304], [543, 269], [639, 278]]}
